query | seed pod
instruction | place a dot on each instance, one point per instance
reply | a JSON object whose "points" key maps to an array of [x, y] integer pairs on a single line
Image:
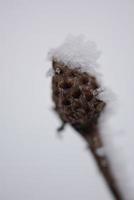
{"points": [[73, 94]]}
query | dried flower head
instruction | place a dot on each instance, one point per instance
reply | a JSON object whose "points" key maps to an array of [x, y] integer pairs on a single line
{"points": [[75, 94]]}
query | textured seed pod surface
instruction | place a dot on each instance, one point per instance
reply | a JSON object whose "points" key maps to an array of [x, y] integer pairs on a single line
{"points": [[75, 95]]}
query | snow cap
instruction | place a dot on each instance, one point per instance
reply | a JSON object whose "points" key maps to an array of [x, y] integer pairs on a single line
{"points": [[76, 52]]}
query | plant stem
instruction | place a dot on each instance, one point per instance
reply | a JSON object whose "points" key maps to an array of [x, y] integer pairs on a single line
{"points": [[93, 139]]}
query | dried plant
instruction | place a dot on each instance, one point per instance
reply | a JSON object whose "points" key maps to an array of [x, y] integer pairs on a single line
{"points": [[76, 97]]}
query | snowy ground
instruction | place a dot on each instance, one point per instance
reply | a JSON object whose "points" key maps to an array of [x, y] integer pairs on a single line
{"points": [[34, 162]]}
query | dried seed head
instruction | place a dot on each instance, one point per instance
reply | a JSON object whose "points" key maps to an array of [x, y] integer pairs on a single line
{"points": [[73, 94]]}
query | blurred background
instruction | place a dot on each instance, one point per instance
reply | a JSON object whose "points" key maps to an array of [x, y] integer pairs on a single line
{"points": [[34, 162]]}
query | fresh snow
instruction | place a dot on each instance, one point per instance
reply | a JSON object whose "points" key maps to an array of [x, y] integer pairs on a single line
{"points": [[77, 52]]}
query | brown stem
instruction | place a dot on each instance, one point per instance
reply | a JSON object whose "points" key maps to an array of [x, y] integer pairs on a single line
{"points": [[92, 137], [75, 94]]}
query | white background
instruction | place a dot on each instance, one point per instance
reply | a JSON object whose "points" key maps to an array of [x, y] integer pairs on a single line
{"points": [[34, 162]]}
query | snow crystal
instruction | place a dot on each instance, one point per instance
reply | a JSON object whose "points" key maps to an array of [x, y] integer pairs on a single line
{"points": [[77, 52]]}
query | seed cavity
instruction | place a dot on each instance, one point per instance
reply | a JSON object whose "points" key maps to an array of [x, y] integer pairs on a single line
{"points": [[72, 74], [76, 93], [66, 85], [66, 102], [84, 80], [88, 95]]}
